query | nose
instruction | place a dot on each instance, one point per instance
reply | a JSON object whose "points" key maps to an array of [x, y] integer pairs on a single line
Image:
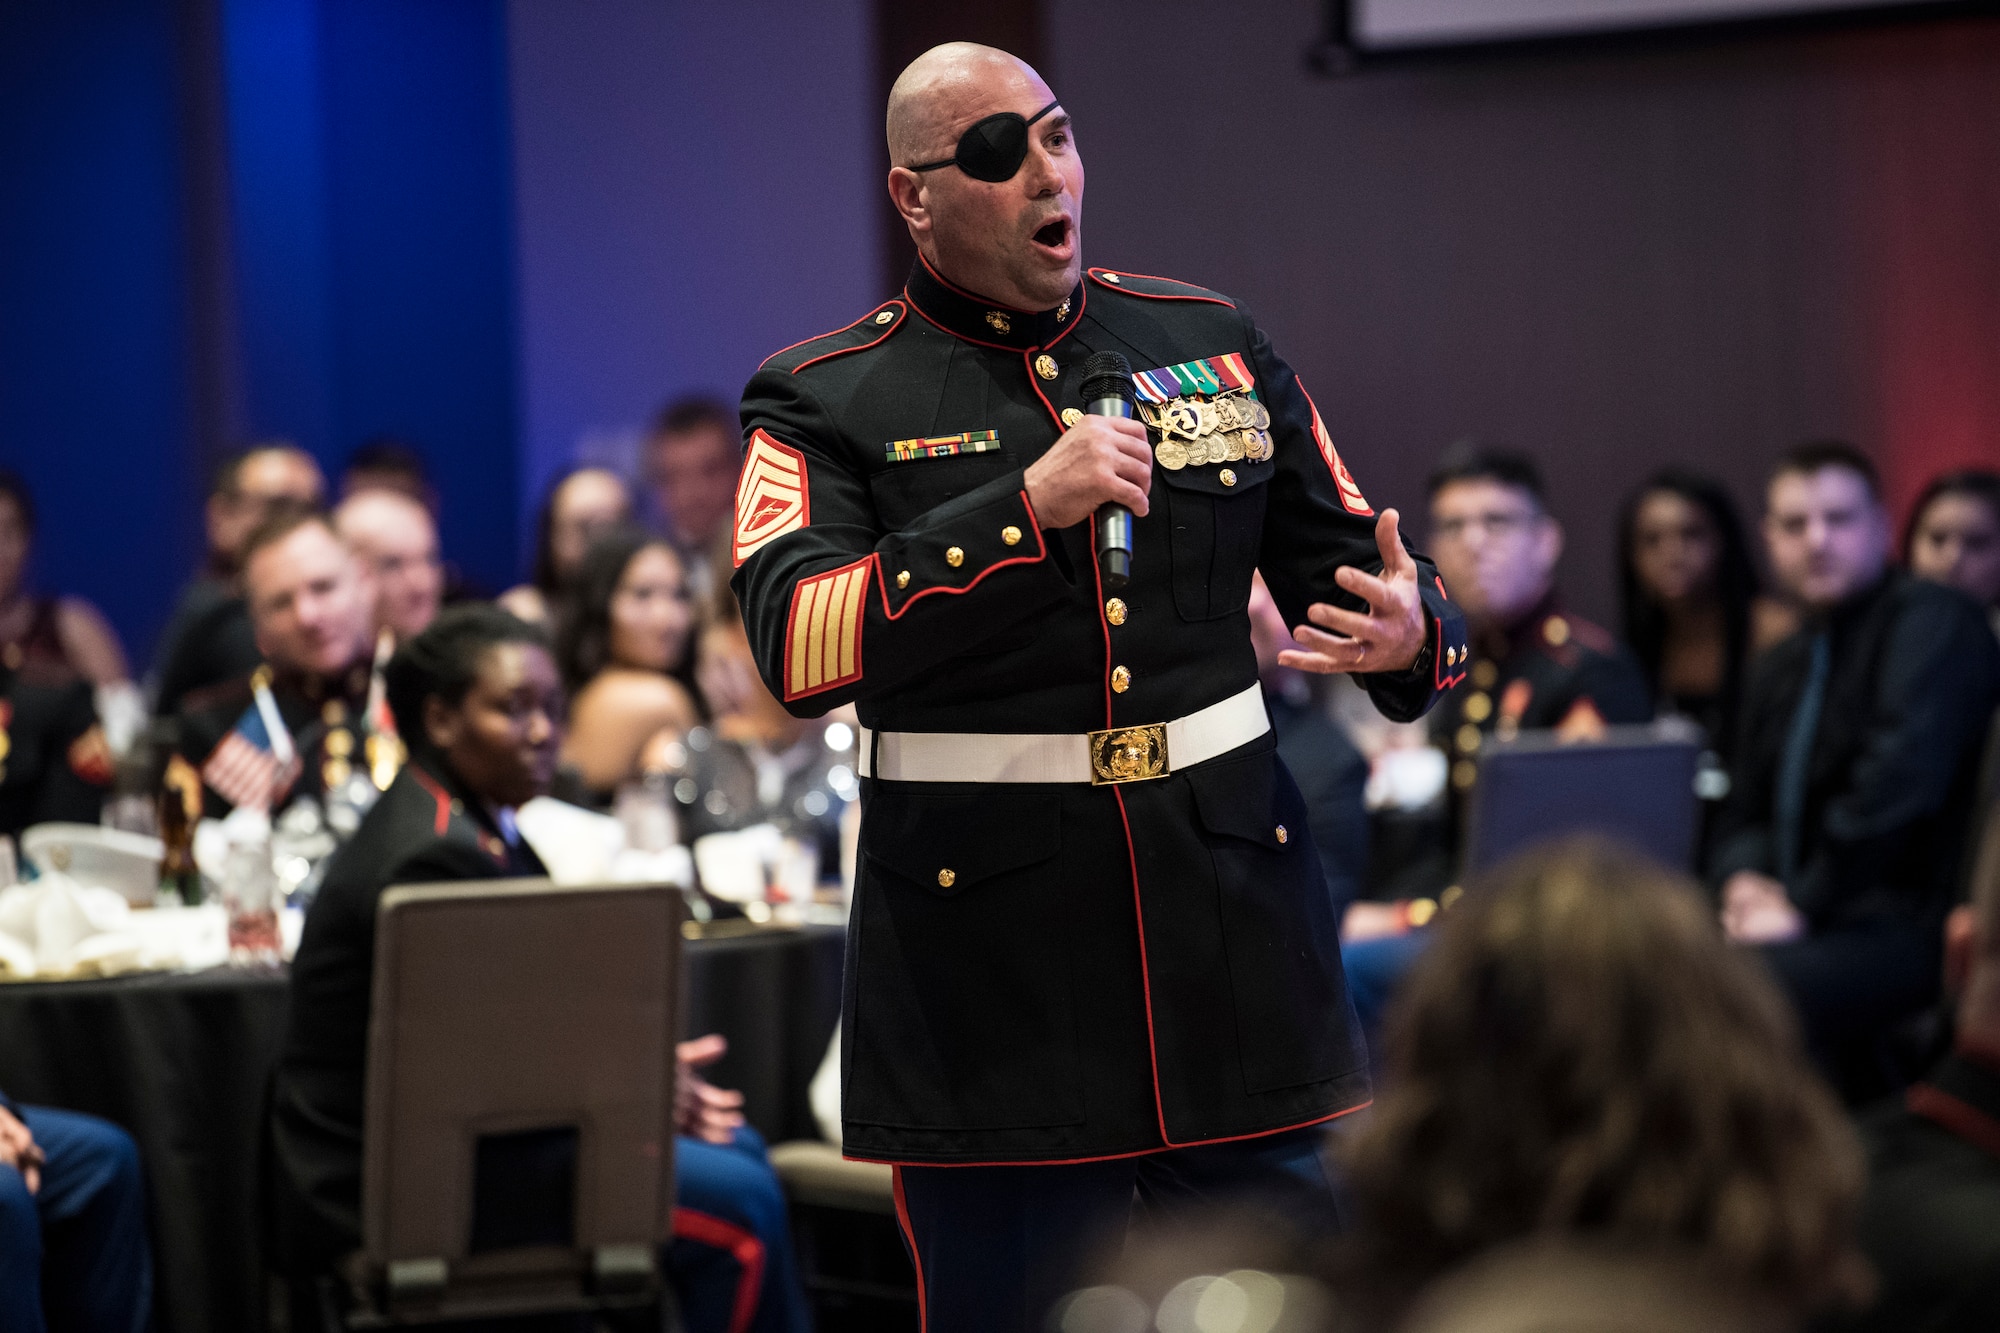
{"points": [[541, 728], [1040, 173]]}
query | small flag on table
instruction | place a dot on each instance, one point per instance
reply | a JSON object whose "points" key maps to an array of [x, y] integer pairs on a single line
{"points": [[256, 763]]}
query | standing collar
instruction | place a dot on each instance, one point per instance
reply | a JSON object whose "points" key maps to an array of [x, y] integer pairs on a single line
{"points": [[978, 320]]}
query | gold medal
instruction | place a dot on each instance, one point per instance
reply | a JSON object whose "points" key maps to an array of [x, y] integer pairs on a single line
{"points": [[1264, 446], [1171, 455], [1207, 416], [1181, 418], [1232, 446], [1260, 416], [1197, 453]]}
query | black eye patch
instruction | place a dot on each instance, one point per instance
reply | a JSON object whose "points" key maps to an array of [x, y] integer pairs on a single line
{"points": [[994, 148]]}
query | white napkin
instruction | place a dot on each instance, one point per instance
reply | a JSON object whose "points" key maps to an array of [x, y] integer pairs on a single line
{"points": [[56, 927], [583, 847]]}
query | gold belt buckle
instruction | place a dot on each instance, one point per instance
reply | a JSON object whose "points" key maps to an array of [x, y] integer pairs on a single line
{"points": [[1128, 754]]}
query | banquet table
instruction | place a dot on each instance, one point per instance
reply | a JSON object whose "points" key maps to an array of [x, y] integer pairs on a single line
{"points": [[183, 1062]]}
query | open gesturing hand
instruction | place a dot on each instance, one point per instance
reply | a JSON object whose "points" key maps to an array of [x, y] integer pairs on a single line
{"points": [[1388, 637], [702, 1110]]}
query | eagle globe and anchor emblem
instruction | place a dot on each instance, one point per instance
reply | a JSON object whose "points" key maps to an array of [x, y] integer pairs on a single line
{"points": [[1128, 754]]}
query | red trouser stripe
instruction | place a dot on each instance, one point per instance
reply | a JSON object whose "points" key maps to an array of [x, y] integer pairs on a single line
{"points": [[745, 1248], [910, 1239]]}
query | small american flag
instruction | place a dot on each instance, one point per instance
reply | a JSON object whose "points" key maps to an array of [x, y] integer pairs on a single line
{"points": [[252, 767]]}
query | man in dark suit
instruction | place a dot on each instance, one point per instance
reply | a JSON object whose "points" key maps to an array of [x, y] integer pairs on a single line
{"points": [[1840, 847], [478, 696], [1931, 1222], [208, 639], [1092, 950]]}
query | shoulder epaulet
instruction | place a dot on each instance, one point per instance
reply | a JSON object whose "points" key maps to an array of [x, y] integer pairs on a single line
{"points": [[1158, 289], [863, 333]]}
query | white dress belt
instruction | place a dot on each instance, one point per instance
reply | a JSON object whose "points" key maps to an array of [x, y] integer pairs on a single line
{"points": [[966, 756]]}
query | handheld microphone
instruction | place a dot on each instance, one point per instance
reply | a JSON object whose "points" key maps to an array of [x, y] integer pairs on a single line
{"points": [[1107, 392]]}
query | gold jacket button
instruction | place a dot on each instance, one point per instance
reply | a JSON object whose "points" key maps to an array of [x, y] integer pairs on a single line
{"points": [[954, 556], [1045, 366], [947, 878], [1071, 415], [903, 579], [1283, 836], [1114, 610], [1010, 535], [1227, 477], [1121, 680]]}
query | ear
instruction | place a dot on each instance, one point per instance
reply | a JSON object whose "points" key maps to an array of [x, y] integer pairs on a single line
{"points": [[906, 192], [1552, 536], [1961, 947], [441, 723]]}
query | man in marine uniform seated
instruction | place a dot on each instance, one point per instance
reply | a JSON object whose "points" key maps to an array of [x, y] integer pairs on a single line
{"points": [[478, 698], [209, 640], [1535, 665], [1092, 954], [1840, 847], [297, 726]]}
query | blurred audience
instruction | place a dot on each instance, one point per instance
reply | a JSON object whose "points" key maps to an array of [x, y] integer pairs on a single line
{"points": [[693, 454], [1688, 596], [1534, 665], [74, 1253], [385, 463], [1540, 1286], [582, 506], [62, 634], [294, 726], [1839, 849], [209, 639], [55, 762], [393, 534], [1954, 536], [1580, 1058], [1931, 1220], [479, 699], [626, 647]]}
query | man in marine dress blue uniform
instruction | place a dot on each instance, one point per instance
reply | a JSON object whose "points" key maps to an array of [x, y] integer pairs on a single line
{"points": [[1091, 948]]}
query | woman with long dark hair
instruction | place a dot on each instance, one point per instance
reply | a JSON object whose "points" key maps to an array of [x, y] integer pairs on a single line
{"points": [[1688, 593], [582, 505], [1954, 536], [625, 646]]}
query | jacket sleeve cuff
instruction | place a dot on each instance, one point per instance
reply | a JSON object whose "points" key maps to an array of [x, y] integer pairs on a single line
{"points": [[1406, 695], [959, 543]]}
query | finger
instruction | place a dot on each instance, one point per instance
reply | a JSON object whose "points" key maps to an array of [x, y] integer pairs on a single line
{"points": [[1123, 492], [1127, 430], [704, 1050], [1334, 646], [724, 1098], [1389, 541], [31, 1176], [1369, 588], [1317, 663], [1351, 624]]}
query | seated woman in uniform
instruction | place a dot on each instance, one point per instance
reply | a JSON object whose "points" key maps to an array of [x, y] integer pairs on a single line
{"points": [[477, 700], [626, 650], [583, 505]]}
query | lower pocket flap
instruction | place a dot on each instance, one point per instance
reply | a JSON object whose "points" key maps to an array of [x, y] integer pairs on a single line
{"points": [[1238, 799], [950, 843]]}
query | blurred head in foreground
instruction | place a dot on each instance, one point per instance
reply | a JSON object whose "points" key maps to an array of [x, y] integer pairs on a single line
{"points": [[1580, 1056]]}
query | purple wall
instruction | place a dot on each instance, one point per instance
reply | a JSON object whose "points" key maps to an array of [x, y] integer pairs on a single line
{"points": [[695, 189], [1613, 258]]}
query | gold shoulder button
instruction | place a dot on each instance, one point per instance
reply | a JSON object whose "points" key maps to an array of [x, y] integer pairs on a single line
{"points": [[954, 556], [1111, 277], [885, 317]]}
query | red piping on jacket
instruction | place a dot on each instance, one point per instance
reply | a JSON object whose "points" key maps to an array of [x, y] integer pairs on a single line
{"points": [[1098, 274], [742, 1245], [438, 794], [1041, 551], [887, 329]]}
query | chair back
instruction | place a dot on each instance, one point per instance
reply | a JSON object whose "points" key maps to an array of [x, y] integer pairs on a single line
{"points": [[519, 1123]]}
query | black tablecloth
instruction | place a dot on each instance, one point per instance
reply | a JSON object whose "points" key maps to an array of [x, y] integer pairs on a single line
{"points": [[182, 1062]]}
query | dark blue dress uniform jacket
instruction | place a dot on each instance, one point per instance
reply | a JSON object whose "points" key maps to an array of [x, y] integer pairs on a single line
{"points": [[1104, 970]]}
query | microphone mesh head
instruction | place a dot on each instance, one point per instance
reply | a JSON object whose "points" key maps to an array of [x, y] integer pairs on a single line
{"points": [[1106, 375]]}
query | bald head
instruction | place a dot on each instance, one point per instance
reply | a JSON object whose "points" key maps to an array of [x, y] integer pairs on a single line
{"points": [[923, 105], [1015, 242], [395, 536]]}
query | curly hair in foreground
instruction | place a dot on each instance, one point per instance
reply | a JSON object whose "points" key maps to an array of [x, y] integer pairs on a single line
{"points": [[1580, 1054]]}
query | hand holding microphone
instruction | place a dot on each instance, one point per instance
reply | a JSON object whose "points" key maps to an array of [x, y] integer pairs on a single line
{"points": [[1103, 461]]}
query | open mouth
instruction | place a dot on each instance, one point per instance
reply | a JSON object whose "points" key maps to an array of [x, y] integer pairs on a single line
{"points": [[1054, 235]]}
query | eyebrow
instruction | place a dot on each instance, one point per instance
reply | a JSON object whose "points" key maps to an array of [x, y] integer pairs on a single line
{"points": [[1057, 119]]}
